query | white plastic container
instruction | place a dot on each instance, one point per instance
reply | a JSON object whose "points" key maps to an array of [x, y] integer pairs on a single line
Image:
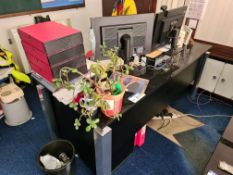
{"points": [[16, 112]]}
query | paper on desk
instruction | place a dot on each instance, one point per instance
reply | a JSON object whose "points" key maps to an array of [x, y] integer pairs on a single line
{"points": [[165, 48], [66, 96]]}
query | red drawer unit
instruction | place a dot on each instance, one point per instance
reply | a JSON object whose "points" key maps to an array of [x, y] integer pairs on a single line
{"points": [[50, 46]]}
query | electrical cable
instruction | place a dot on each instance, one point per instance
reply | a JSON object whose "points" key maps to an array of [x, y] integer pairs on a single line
{"points": [[196, 125], [205, 116], [161, 126], [164, 124], [209, 99], [191, 115], [198, 106]]}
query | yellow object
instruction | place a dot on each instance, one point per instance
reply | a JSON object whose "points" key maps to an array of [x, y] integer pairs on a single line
{"points": [[19, 76], [6, 61], [129, 8], [154, 54]]}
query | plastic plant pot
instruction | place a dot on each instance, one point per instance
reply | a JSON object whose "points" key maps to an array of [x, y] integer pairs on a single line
{"points": [[55, 148]]}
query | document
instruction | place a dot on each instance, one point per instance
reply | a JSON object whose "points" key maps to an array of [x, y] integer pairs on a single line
{"points": [[196, 9]]}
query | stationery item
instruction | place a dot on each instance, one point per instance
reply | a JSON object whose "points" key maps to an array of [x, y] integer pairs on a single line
{"points": [[135, 84], [165, 48], [184, 36], [136, 97], [143, 61], [66, 96], [154, 54]]}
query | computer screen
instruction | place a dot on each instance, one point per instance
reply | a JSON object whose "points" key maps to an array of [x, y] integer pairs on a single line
{"points": [[131, 34], [166, 24]]}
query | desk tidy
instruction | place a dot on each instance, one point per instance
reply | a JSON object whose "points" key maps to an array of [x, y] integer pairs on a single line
{"points": [[49, 46]]}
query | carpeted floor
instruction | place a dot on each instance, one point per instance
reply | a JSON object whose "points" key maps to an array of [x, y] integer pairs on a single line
{"points": [[158, 156]]}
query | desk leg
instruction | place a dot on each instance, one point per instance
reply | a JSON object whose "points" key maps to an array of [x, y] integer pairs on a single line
{"points": [[198, 73], [43, 94], [103, 150]]}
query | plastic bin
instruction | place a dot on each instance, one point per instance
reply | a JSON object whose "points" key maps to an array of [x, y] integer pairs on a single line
{"points": [[55, 148]]}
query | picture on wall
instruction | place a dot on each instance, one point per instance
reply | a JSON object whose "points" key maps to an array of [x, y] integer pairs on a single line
{"points": [[60, 3]]}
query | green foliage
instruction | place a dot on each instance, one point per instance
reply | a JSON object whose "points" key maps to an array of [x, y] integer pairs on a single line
{"points": [[86, 88], [106, 80], [77, 124], [92, 124], [74, 105], [118, 116]]}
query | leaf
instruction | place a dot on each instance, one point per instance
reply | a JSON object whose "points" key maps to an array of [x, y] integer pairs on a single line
{"points": [[94, 126], [97, 120], [77, 124], [71, 105], [88, 128], [89, 121]]}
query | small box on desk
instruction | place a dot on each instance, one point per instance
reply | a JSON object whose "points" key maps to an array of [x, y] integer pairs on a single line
{"points": [[49, 46]]}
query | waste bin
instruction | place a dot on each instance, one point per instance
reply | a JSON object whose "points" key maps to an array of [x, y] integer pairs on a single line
{"points": [[56, 148], [14, 105]]}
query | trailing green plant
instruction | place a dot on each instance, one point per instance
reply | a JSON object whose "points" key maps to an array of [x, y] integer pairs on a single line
{"points": [[106, 80]]}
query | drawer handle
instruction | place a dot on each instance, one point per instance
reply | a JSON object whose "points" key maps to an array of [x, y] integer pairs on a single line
{"points": [[223, 80], [214, 77]]}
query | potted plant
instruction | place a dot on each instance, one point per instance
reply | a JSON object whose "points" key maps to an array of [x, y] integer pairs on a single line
{"points": [[103, 90]]}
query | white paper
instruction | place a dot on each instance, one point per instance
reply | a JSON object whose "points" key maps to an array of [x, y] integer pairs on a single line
{"points": [[110, 104], [192, 23], [196, 9], [66, 96], [165, 48], [136, 97]]}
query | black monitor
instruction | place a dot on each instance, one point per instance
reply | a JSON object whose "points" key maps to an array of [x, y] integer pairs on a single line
{"points": [[167, 26], [132, 34]]}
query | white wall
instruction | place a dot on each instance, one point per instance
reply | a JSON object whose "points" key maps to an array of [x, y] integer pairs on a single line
{"points": [[217, 23], [79, 19]]}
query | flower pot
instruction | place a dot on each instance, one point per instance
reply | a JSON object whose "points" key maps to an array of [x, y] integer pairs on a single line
{"points": [[114, 103]]}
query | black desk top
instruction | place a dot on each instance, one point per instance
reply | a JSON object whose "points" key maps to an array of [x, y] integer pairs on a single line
{"points": [[159, 78]]}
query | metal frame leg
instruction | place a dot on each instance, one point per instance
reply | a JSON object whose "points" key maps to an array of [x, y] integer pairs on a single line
{"points": [[43, 94], [103, 150]]}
